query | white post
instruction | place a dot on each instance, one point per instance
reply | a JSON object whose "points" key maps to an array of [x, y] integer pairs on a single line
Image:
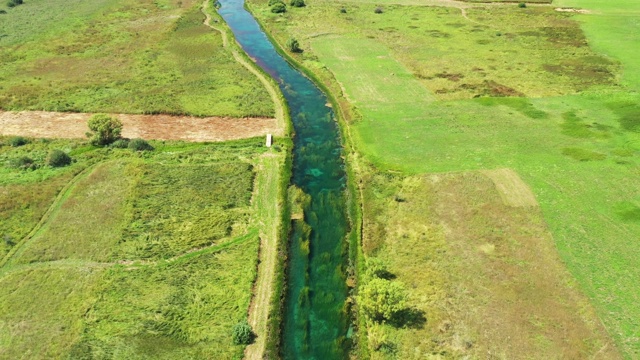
{"points": [[269, 140]]}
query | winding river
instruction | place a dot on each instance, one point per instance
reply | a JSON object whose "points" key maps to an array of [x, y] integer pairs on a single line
{"points": [[315, 322]]}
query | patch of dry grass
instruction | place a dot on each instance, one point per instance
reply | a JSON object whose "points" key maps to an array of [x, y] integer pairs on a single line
{"points": [[486, 274]]}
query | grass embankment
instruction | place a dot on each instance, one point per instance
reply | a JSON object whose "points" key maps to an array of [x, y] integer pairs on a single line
{"points": [[122, 56], [144, 255], [569, 129]]}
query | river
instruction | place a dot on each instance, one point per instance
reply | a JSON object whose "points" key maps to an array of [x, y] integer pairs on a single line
{"points": [[315, 318]]}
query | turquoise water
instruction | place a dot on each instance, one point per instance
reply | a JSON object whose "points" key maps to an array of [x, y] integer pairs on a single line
{"points": [[315, 322]]}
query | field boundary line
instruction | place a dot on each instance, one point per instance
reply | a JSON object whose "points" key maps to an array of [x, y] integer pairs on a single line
{"points": [[275, 93], [55, 205], [54, 264]]}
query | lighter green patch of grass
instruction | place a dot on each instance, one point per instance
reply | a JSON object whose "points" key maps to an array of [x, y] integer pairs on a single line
{"points": [[188, 313], [41, 311], [87, 225], [613, 29]]}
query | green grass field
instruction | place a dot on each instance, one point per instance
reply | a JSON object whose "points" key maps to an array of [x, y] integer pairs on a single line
{"points": [[127, 255], [545, 93], [121, 56]]}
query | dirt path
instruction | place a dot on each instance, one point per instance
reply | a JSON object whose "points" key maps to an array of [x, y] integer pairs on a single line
{"points": [[160, 127], [274, 92], [268, 215]]}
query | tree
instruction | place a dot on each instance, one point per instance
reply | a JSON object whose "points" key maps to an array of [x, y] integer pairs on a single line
{"points": [[242, 333], [380, 299], [293, 45], [58, 158], [106, 129], [297, 3]]}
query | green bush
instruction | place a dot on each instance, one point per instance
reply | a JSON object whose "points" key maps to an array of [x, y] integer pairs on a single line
{"points": [[522, 5], [120, 144], [106, 129], [278, 8], [23, 162], [139, 145], [293, 45], [297, 3], [378, 10], [343, 10], [273, 2], [12, 3], [18, 141], [242, 333], [3, 11], [58, 158]]}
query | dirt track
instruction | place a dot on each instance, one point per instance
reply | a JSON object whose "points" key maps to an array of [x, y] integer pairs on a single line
{"points": [[161, 127]]}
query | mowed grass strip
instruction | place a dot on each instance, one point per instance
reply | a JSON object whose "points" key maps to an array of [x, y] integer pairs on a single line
{"points": [[484, 277], [88, 223], [373, 78], [122, 56]]}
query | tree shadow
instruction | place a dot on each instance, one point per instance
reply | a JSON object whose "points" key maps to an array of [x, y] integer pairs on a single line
{"points": [[408, 318], [384, 274]]}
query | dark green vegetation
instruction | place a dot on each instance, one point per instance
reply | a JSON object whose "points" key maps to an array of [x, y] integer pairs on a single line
{"points": [[121, 56], [545, 93], [242, 333], [127, 255]]}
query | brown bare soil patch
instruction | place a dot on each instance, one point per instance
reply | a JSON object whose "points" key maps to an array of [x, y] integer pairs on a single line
{"points": [[572, 10], [44, 124]]}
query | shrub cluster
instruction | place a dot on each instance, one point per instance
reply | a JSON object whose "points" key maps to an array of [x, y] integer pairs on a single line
{"points": [[58, 158], [12, 3], [277, 7], [23, 162], [297, 3], [18, 141], [139, 145], [293, 45], [242, 333], [120, 144]]}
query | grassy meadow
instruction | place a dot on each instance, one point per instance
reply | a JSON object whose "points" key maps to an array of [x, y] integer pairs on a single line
{"points": [[132, 255], [121, 56], [447, 89]]}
